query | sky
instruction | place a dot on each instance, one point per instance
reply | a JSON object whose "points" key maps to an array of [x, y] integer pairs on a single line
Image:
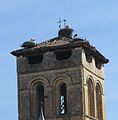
{"points": [[21, 20]]}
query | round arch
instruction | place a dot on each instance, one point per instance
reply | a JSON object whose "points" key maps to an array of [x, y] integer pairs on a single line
{"points": [[99, 103], [34, 100], [90, 94], [100, 86], [38, 80], [61, 79], [56, 84], [90, 78]]}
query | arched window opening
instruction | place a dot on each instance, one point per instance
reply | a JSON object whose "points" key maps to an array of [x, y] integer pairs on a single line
{"points": [[98, 102], [40, 98], [35, 59], [63, 99], [91, 110], [63, 55], [88, 57], [98, 64]]}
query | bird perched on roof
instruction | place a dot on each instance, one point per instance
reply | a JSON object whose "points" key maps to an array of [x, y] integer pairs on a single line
{"points": [[93, 46], [29, 44], [76, 35], [32, 39], [67, 26]]}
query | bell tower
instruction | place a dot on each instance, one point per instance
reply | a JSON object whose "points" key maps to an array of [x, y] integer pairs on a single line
{"points": [[65, 73]]}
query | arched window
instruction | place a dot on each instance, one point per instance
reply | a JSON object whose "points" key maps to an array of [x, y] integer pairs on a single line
{"points": [[63, 99], [88, 57], [98, 102], [40, 98], [91, 108]]}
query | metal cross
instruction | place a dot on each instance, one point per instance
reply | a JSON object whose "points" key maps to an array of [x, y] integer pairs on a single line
{"points": [[59, 23]]}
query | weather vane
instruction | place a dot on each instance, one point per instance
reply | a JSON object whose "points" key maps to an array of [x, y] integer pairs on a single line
{"points": [[60, 23]]}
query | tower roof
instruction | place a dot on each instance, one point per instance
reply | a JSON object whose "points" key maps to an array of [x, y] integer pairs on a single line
{"points": [[63, 41]]}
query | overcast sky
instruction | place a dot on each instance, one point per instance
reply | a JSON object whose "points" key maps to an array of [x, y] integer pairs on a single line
{"points": [[21, 20]]}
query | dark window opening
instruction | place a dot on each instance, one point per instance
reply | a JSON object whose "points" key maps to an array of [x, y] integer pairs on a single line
{"points": [[91, 99], [63, 100], [35, 59], [40, 98], [98, 65], [98, 102], [63, 55], [88, 58]]}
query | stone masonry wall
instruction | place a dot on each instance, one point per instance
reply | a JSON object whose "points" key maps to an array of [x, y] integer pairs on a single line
{"points": [[97, 76], [74, 72], [51, 72]]}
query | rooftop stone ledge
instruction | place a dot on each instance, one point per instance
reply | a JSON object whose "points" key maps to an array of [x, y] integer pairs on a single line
{"points": [[50, 62], [59, 43]]}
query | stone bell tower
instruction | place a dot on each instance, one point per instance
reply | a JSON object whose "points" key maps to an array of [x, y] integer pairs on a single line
{"points": [[66, 73]]}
